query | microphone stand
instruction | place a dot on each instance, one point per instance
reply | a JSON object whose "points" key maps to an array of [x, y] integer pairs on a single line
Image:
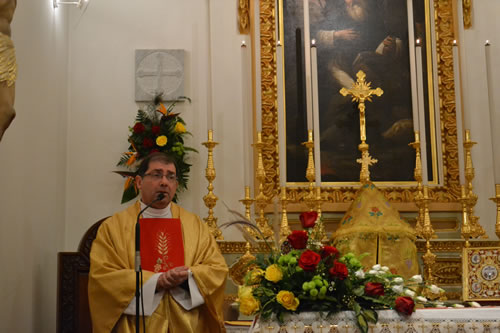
{"points": [[138, 268]]}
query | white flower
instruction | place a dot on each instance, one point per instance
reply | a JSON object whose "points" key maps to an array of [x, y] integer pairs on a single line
{"points": [[421, 299], [398, 289], [384, 268], [376, 267], [360, 274], [458, 306], [398, 280], [475, 304], [409, 292], [435, 289], [417, 278], [373, 272], [439, 305]]}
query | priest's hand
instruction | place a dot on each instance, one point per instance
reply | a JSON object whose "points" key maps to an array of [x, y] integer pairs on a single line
{"points": [[172, 278]]}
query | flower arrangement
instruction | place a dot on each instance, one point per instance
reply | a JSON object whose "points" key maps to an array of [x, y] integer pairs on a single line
{"points": [[156, 129], [309, 276]]}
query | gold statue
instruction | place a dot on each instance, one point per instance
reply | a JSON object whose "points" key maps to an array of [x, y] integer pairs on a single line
{"points": [[8, 66]]}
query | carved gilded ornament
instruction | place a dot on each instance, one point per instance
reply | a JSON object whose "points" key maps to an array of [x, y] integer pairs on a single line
{"points": [[244, 16], [444, 36]]}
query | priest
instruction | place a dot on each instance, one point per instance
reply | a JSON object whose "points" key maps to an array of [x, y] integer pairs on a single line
{"points": [[185, 298]]}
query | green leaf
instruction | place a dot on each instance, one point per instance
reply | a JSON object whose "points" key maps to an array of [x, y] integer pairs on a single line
{"points": [[371, 316], [359, 291], [363, 325], [129, 193]]}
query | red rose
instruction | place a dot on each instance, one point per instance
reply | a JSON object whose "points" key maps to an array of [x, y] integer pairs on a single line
{"points": [[405, 305], [298, 239], [374, 289], [155, 129], [339, 270], [309, 260], [329, 251], [153, 151], [147, 143], [139, 128], [308, 219]]}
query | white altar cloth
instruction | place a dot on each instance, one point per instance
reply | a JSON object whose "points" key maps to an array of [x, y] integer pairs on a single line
{"points": [[454, 320]]}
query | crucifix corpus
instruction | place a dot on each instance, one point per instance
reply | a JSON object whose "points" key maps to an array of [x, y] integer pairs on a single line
{"points": [[361, 92]]}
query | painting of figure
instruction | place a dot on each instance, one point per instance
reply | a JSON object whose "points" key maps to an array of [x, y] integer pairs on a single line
{"points": [[352, 35]]}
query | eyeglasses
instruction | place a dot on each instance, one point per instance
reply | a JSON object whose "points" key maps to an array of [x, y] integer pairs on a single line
{"points": [[171, 178]]}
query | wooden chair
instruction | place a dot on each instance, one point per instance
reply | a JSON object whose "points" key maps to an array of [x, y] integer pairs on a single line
{"points": [[73, 314]]}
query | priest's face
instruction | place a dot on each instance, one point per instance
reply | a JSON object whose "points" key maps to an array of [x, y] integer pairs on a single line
{"points": [[160, 178]]}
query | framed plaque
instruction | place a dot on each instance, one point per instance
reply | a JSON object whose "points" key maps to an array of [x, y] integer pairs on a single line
{"points": [[481, 274]]}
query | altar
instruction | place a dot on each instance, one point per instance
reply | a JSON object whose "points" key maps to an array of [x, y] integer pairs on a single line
{"points": [[454, 320]]}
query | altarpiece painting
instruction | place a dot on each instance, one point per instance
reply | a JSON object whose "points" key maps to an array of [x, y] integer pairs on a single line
{"points": [[372, 36]]}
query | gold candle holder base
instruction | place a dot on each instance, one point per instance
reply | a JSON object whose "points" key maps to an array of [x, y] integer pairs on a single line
{"points": [[284, 228], [210, 198]]}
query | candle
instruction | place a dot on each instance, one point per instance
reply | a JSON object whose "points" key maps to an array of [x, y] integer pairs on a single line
{"points": [[413, 72], [246, 111], [210, 115], [492, 108], [315, 112], [459, 115], [300, 79], [421, 111], [281, 116], [307, 64], [258, 87]]}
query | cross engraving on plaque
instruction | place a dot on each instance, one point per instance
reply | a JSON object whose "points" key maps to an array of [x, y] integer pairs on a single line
{"points": [[159, 72]]}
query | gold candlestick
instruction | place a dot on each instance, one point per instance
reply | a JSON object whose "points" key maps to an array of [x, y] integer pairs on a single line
{"points": [[310, 171], [261, 199], [284, 228], [466, 229], [319, 227], [429, 258], [419, 196], [247, 201], [496, 199], [476, 229], [211, 199]]}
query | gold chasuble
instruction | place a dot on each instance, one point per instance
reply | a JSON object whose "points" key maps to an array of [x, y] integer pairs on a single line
{"points": [[371, 225], [112, 278]]}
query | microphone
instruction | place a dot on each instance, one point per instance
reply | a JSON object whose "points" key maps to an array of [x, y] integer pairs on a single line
{"points": [[138, 269]]}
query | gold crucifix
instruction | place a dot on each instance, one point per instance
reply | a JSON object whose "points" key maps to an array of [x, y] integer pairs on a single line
{"points": [[361, 92]]}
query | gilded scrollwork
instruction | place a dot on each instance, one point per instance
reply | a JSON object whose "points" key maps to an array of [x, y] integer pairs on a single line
{"points": [[244, 16], [444, 35]]}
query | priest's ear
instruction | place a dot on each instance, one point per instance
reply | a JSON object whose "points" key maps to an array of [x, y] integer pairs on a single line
{"points": [[138, 182]]}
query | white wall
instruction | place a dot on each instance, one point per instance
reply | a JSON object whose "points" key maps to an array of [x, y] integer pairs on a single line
{"points": [[32, 168], [103, 39]]}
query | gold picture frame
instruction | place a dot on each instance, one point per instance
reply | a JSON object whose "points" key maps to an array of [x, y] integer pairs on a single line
{"points": [[481, 274], [447, 194]]}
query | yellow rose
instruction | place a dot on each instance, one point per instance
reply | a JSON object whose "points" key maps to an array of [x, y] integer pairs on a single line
{"points": [[288, 300], [255, 276], [179, 128], [248, 304], [161, 140], [274, 273]]}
